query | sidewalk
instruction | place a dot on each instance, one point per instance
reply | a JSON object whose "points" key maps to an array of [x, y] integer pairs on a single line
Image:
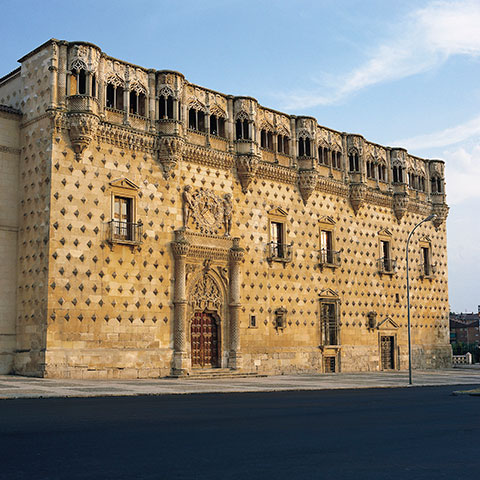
{"points": [[28, 387]]}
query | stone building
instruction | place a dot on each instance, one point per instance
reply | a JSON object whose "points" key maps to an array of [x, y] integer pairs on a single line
{"points": [[152, 227]]}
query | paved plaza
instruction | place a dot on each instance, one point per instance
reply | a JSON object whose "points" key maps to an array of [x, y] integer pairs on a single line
{"points": [[28, 387]]}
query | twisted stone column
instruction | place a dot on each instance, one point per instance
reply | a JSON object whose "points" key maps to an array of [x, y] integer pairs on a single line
{"points": [[180, 249], [236, 257]]}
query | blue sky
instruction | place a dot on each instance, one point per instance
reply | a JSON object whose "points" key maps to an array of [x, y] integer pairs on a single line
{"points": [[400, 73]]}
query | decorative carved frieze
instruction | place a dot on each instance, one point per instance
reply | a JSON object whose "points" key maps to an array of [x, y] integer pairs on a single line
{"points": [[357, 195], [307, 181], [333, 187], [170, 152], [247, 165], [206, 295], [208, 157]]}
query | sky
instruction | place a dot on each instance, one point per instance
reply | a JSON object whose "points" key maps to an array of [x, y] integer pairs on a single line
{"points": [[399, 73]]}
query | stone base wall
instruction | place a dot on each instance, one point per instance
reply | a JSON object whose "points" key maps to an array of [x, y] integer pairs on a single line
{"points": [[285, 361], [431, 356], [108, 363]]}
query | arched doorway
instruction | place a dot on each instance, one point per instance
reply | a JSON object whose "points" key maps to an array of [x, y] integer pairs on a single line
{"points": [[204, 340]]}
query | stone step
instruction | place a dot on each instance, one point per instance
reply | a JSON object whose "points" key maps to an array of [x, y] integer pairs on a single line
{"points": [[216, 373]]}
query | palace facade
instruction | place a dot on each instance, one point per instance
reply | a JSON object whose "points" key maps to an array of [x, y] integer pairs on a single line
{"points": [[153, 227]]}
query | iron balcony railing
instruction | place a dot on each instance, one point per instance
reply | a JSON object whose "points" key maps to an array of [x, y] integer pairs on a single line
{"points": [[279, 252], [386, 265], [329, 257], [428, 270], [125, 232]]}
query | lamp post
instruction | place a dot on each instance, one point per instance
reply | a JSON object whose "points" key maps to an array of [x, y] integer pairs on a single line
{"points": [[430, 217]]}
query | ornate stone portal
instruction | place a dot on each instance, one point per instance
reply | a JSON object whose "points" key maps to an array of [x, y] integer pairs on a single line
{"points": [[209, 283]]}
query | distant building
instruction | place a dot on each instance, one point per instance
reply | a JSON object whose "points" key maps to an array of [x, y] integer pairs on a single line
{"points": [[465, 328], [152, 226]]}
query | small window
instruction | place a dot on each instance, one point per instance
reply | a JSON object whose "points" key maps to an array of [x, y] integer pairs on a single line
{"points": [[282, 144], [353, 162], [123, 218], [242, 129], [371, 171], [122, 227], [323, 155], [114, 97], [385, 263], [304, 147], [398, 174], [329, 323], [217, 126], [253, 321], [326, 250], [382, 173], [336, 160], [137, 103], [278, 249], [165, 107]]}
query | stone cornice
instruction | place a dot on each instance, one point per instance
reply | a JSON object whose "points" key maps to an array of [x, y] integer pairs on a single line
{"points": [[278, 173], [208, 157], [334, 187]]}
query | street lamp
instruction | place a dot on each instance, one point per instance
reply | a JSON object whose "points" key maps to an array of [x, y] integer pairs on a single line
{"points": [[430, 217]]}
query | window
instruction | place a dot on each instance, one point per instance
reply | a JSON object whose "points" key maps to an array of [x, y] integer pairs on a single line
{"points": [[279, 250], [252, 322], [437, 185], [123, 228], [385, 262], [326, 251], [78, 82], [114, 96], [217, 126], [427, 269], [280, 318], [242, 129], [266, 139], [304, 147], [353, 162], [122, 218], [165, 107], [196, 120], [336, 160], [323, 156], [328, 256], [398, 174], [137, 103], [328, 312], [282, 144], [371, 170], [382, 173]]}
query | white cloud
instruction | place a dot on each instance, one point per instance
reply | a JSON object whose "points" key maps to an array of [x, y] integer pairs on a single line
{"points": [[423, 40], [448, 136], [463, 174]]}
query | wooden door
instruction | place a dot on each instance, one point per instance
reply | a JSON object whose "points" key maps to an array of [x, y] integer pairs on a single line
{"points": [[204, 337], [387, 352]]}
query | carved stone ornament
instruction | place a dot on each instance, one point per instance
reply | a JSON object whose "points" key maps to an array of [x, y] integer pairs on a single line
{"points": [[307, 181], [441, 212], [83, 54], [400, 204], [82, 128], [247, 166], [206, 295], [170, 152], [209, 212], [357, 195]]}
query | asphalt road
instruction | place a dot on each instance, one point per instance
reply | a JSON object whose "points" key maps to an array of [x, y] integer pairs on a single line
{"points": [[401, 433]]}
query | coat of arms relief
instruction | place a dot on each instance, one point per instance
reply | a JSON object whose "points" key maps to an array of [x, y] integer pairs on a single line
{"points": [[209, 213]]}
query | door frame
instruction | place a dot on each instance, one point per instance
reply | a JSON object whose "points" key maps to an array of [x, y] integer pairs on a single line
{"points": [[216, 319], [387, 333]]}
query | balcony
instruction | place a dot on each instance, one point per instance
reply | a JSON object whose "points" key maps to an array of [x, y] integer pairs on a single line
{"points": [[82, 103], [387, 266], [279, 252], [427, 270], [329, 258], [127, 233]]}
